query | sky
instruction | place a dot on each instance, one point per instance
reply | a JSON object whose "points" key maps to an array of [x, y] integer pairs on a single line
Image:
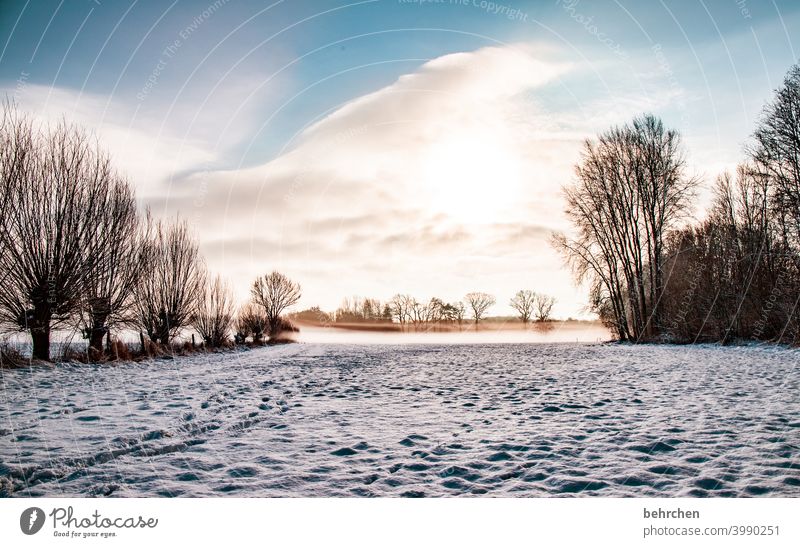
{"points": [[389, 146]]}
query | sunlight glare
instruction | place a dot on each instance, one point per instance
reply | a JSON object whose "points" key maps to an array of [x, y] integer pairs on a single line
{"points": [[472, 178]]}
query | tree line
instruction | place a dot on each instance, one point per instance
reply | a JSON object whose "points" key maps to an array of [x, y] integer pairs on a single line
{"points": [[75, 253], [656, 275], [406, 310]]}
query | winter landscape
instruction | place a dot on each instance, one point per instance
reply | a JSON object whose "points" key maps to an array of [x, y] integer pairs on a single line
{"points": [[399, 248]]}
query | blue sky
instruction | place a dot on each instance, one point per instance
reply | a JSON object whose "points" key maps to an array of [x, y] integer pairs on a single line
{"points": [[321, 137]]}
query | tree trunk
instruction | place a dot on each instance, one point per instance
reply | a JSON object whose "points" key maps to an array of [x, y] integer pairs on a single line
{"points": [[98, 331], [41, 343], [274, 326], [162, 329]]}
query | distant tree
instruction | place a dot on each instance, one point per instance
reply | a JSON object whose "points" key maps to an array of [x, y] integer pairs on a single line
{"points": [[418, 312], [479, 303], [543, 305], [275, 292], [386, 313], [170, 282], [459, 311], [401, 306], [251, 321], [436, 310], [358, 309], [371, 309], [349, 310], [214, 313], [312, 314], [523, 303]]}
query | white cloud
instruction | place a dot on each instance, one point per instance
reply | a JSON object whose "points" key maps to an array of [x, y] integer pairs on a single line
{"points": [[129, 138], [446, 181], [408, 189]]}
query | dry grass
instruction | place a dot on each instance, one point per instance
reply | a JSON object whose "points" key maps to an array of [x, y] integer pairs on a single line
{"points": [[10, 357]]}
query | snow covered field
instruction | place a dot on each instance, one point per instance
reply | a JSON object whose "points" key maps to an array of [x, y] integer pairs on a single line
{"points": [[406, 420]]}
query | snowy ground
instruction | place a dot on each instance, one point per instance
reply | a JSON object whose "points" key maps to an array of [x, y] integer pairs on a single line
{"points": [[403, 420]]}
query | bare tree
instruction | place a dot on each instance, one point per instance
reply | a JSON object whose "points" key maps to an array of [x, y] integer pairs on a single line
{"points": [[436, 310], [111, 271], [401, 306], [213, 317], [733, 276], [19, 147], [736, 275], [543, 305], [459, 311], [358, 309], [65, 211], [418, 312], [775, 154], [404, 309], [478, 303], [274, 293], [630, 191], [523, 303], [251, 321], [170, 282]]}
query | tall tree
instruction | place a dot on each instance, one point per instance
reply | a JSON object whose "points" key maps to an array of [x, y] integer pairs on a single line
{"points": [[732, 276], [112, 269], [60, 196], [630, 190], [775, 153]]}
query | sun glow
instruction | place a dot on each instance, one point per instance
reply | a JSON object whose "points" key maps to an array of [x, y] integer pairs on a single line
{"points": [[472, 178]]}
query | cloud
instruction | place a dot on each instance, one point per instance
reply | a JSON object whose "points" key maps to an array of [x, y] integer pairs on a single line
{"points": [[400, 190], [156, 141], [129, 139], [446, 181]]}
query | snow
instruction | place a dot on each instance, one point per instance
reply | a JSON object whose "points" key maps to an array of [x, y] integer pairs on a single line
{"points": [[316, 419]]}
